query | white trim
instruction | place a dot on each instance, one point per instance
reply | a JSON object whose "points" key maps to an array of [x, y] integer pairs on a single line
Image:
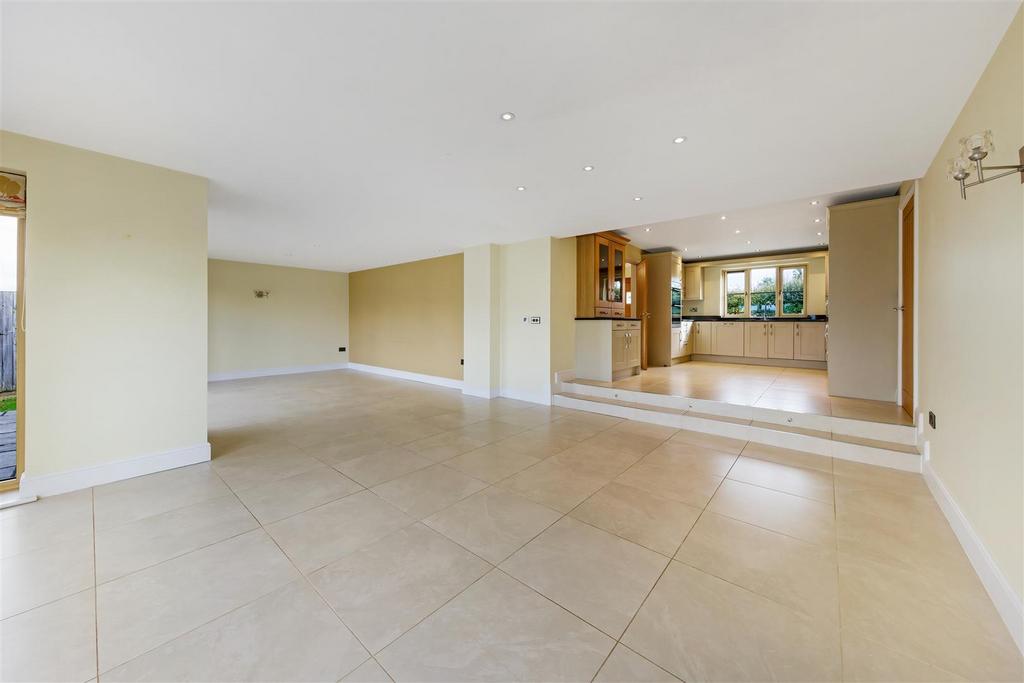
{"points": [[104, 473], [403, 374], [270, 372], [543, 398], [1005, 599], [488, 394]]}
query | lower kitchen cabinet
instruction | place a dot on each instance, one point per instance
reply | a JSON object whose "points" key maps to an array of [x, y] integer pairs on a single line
{"points": [[809, 341], [727, 338], [780, 340], [702, 337], [686, 335], [755, 340], [607, 350]]}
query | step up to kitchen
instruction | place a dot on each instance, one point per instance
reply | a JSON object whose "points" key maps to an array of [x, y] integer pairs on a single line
{"points": [[792, 431]]}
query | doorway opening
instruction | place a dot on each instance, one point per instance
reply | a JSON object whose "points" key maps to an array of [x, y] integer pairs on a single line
{"points": [[10, 249], [906, 308]]}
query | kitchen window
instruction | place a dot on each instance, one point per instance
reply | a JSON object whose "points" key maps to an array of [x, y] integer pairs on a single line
{"points": [[765, 292]]}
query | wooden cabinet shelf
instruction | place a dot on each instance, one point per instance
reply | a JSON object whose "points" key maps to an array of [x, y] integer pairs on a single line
{"points": [[601, 275]]}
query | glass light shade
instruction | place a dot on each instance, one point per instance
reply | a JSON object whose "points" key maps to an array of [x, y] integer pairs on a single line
{"points": [[977, 146], [958, 168]]}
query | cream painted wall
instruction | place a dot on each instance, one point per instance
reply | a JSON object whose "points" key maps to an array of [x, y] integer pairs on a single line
{"points": [[115, 287], [563, 304], [409, 316], [302, 323], [481, 329], [971, 359], [817, 281], [526, 348]]}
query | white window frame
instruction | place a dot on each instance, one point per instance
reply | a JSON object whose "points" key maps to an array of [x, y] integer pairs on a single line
{"points": [[746, 289]]}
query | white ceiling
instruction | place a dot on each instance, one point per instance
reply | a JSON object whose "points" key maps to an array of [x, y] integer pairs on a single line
{"points": [[351, 135], [786, 226]]}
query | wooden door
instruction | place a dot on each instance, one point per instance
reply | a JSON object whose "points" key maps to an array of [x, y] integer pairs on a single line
{"points": [[907, 310], [780, 340], [641, 309]]}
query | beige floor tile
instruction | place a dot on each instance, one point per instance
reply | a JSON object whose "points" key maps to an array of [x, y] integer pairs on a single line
{"points": [[492, 463], [248, 471], [132, 499], [141, 611], [498, 630], [369, 672], [288, 635], [406, 431], [422, 493], [677, 481], [538, 442], [701, 628], [798, 481], [882, 503], [343, 449], [953, 627], [48, 521], [699, 458], [382, 466], [386, 588], [55, 642], [874, 411], [129, 547], [855, 475], [575, 427], [490, 431], [788, 456], [607, 463], [724, 444], [626, 666], [867, 662], [640, 516], [554, 484], [802, 518], [298, 493], [797, 574], [646, 429], [37, 577], [493, 523], [637, 445], [317, 537], [597, 576], [794, 400], [443, 446]]}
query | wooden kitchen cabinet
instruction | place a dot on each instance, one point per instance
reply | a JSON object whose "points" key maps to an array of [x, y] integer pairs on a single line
{"points": [[809, 341], [727, 338], [702, 342], [755, 340], [607, 350], [780, 340], [601, 275], [693, 283]]}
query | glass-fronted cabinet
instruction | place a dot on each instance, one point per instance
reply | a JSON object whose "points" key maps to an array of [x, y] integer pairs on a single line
{"points": [[601, 263]]}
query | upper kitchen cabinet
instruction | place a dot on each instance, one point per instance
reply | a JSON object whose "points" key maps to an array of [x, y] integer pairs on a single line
{"points": [[693, 283], [601, 275]]}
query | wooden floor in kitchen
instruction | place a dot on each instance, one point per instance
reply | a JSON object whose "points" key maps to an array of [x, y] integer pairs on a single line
{"points": [[798, 390]]}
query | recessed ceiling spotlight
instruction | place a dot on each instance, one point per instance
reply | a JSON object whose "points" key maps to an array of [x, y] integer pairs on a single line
{"points": [[737, 232], [636, 199], [588, 168], [679, 140], [819, 234], [748, 241], [814, 202], [507, 116], [684, 248], [721, 218], [647, 229], [817, 220], [520, 188]]}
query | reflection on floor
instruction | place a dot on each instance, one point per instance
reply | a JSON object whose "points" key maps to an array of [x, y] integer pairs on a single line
{"points": [[797, 390]]}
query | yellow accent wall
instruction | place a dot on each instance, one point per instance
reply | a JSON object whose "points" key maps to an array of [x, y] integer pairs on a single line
{"points": [[971, 364], [115, 310], [409, 316], [302, 323]]}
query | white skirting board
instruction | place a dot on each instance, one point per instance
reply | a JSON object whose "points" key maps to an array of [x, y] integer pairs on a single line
{"points": [[270, 372], [105, 473], [1005, 599], [403, 374]]}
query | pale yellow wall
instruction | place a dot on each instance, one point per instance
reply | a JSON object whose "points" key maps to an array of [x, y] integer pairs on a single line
{"points": [[302, 323], [526, 348], [817, 281], [563, 304], [971, 365], [409, 316], [115, 287]]}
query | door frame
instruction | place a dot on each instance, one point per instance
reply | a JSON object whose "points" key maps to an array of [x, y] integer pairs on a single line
{"points": [[19, 360], [640, 306], [912, 194]]}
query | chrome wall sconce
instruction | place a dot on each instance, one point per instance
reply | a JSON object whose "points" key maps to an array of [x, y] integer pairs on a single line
{"points": [[973, 149]]}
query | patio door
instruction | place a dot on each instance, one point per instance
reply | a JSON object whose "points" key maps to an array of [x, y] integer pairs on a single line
{"points": [[12, 328]]}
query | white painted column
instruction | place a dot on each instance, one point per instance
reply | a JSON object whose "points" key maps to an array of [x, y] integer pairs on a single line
{"points": [[481, 325]]}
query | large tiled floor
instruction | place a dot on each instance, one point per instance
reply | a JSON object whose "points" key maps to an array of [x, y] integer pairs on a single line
{"points": [[798, 390], [352, 527]]}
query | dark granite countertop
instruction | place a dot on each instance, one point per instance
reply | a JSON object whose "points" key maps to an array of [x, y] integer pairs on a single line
{"points": [[791, 319], [633, 319]]}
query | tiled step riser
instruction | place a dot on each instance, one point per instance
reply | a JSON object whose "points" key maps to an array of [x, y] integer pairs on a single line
{"points": [[809, 444], [864, 429]]}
